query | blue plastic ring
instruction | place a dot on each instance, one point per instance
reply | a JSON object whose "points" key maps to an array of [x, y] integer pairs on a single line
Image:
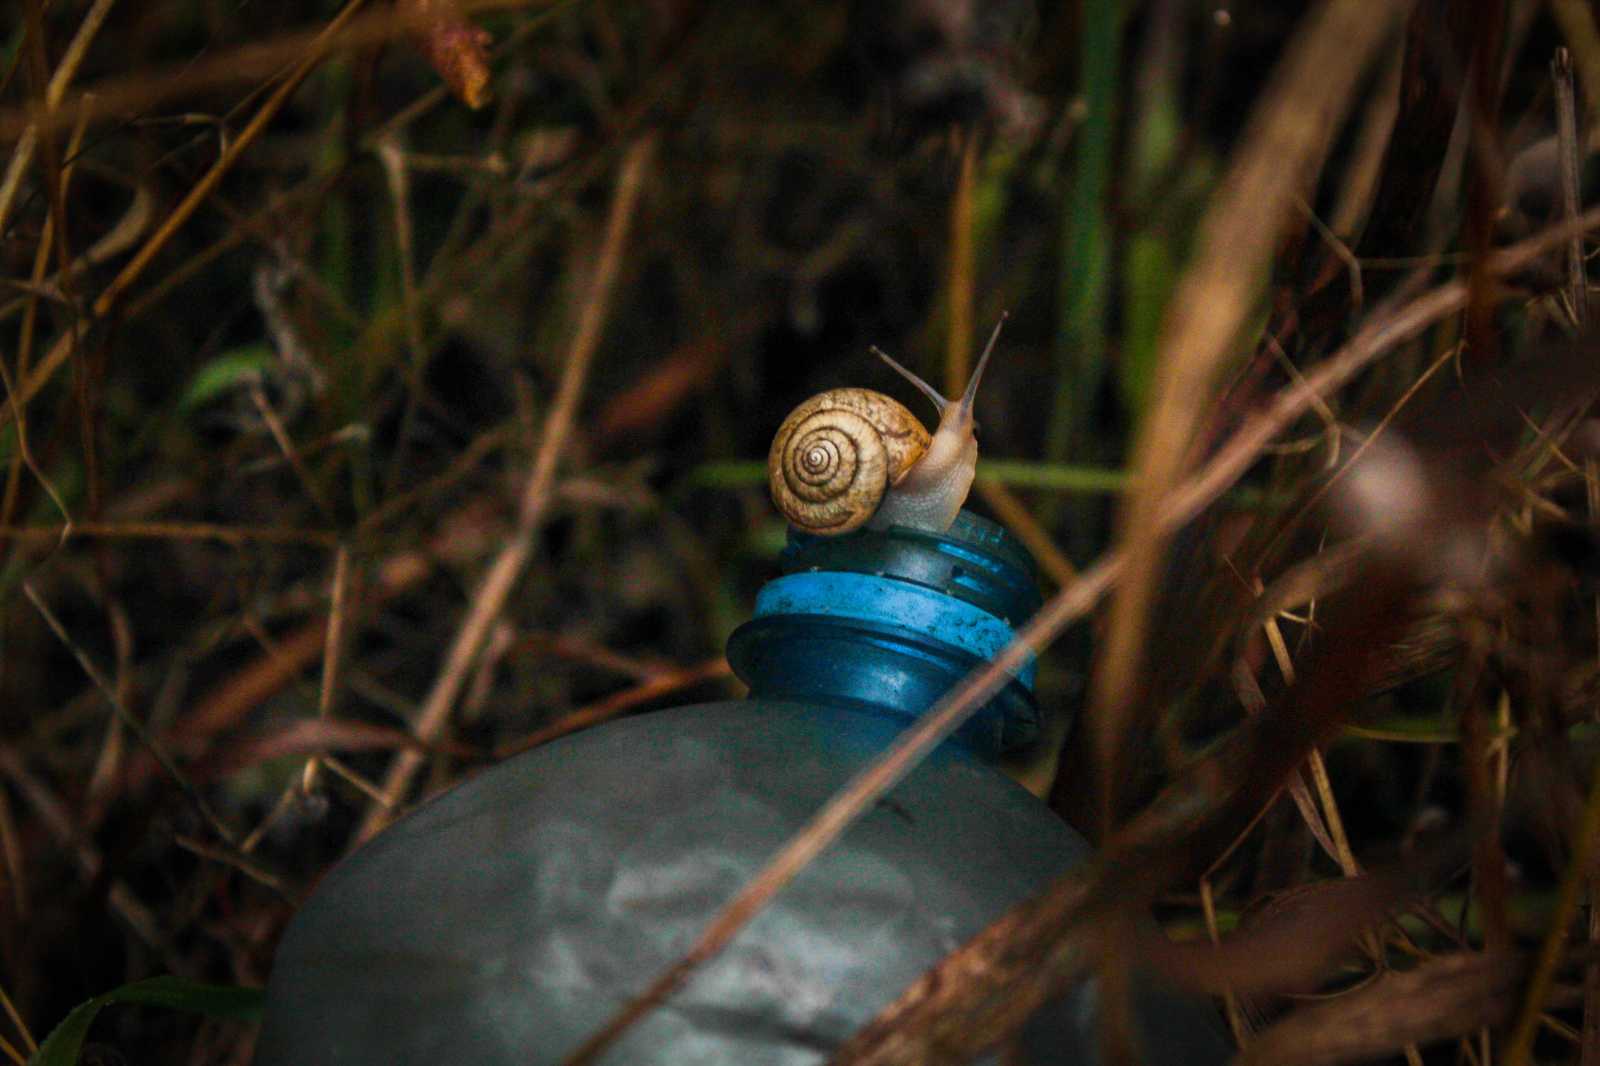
{"points": [[868, 598]]}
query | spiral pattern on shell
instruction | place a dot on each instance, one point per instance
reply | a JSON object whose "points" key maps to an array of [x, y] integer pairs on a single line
{"points": [[836, 455]]}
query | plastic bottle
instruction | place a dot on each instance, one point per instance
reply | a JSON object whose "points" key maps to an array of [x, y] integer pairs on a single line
{"points": [[508, 919]]}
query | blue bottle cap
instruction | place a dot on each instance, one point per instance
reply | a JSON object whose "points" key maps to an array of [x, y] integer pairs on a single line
{"points": [[891, 620]]}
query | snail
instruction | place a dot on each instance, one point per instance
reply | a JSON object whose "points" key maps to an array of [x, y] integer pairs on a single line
{"points": [[849, 457]]}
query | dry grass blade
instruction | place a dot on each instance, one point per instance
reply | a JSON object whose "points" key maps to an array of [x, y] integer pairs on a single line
{"points": [[658, 687], [129, 720], [332, 651], [1310, 92], [1290, 945], [317, 736], [1571, 167], [28, 135], [53, 812], [123, 95], [1444, 997], [495, 589], [168, 532], [22, 1027], [241, 861], [1519, 1048], [1577, 22]]}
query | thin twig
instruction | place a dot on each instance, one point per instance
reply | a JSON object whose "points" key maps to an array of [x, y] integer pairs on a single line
{"points": [[66, 70], [1577, 21], [1570, 149], [495, 589], [240, 861], [129, 720], [11, 849], [604, 710], [1519, 1046], [1254, 702], [280, 436], [16, 1020], [395, 170], [235, 535], [53, 812], [332, 652], [1590, 1042], [1373, 436], [1341, 251], [126, 94], [1230, 1002], [361, 784]]}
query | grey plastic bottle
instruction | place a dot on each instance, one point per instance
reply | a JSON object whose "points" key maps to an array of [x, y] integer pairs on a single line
{"points": [[507, 920]]}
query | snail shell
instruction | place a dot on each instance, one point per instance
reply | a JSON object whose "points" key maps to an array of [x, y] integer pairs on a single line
{"points": [[836, 455]]}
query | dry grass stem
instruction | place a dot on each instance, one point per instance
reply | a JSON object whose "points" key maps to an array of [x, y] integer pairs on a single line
{"points": [[658, 687], [492, 593], [1519, 1047], [241, 861], [1577, 22], [116, 96], [129, 720], [16, 1019], [1444, 997], [181, 531], [28, 133], [1570, 150], [1010, 510], [1309, 93], [332, 652], [53, 813]]}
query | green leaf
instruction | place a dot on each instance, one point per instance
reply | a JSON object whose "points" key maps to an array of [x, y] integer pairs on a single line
{"points": [[63, 1046], [226, 371]]}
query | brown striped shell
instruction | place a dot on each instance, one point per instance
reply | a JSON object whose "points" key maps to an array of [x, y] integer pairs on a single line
{"points": [[837, 454]]}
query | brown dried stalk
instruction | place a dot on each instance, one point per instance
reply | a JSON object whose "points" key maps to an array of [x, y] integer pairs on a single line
{"points": [[1443, 997]]}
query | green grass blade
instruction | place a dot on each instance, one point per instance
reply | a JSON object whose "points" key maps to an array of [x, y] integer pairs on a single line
{"points": [[63, 1046], [228, 371], [1080, 351]]}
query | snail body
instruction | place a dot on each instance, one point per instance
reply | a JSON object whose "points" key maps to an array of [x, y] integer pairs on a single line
{"points": [[852, 457]]}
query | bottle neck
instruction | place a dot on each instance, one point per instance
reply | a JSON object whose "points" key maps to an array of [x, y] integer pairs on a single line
{"points": [[890, 620]]}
